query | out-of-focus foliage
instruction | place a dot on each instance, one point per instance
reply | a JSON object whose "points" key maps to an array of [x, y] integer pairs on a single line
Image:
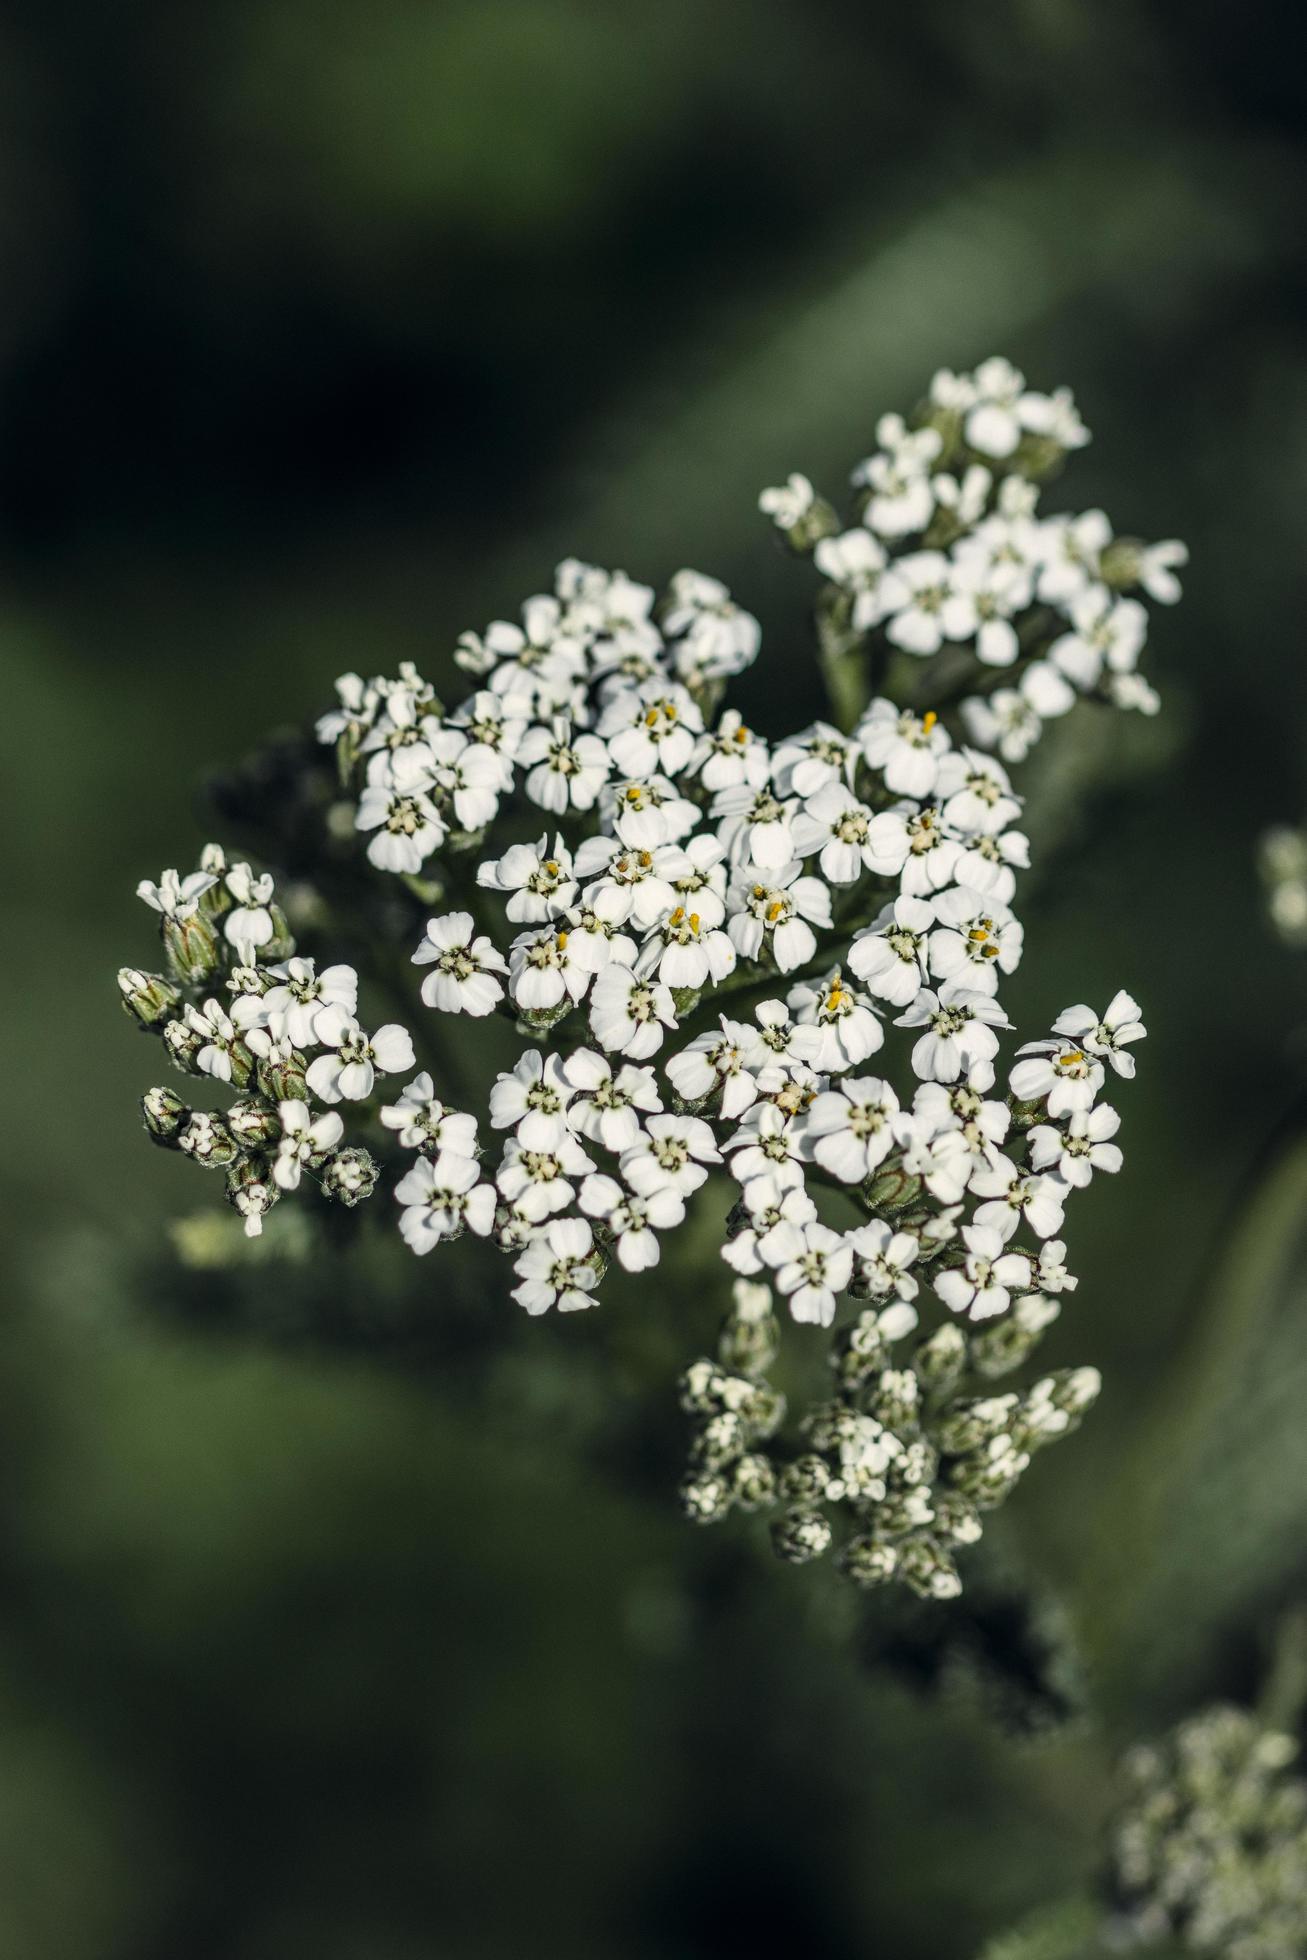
{"points": [[326, 1630]]}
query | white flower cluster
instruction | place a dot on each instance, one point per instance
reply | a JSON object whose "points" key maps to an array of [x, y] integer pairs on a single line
{"points": [[710, 938], [950, 551], [244, 1011]]}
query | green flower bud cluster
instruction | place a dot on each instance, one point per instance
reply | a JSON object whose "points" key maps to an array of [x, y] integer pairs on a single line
{"points": [[1210, 1847], [899, 1458]]}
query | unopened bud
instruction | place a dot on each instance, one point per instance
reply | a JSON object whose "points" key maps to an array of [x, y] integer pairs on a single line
{"points": [[754, 1482], [191, 945], [255, 1124], [350, 1177], [706, 1500], [799, 1536], [207, 1139], [183, 1044], [252, 1193], [164, 1114], [147, 996]]}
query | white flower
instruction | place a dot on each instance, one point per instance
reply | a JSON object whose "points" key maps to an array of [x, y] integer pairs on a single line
{"points": [[466, 965], [811, 760], [813, 1265], [889, 957], [905, 747], [686, 952], [539, 1182], [975, 794], [716, 637], [883, 1257], [856, 562], [837, 1027], [294, 1006], [496, 722], [850, 1128], [348, 1073], [959, 1034], [408, 828], [651, 729], [606, 1100], [425, 1123], [633, 1221], [1109, 1038], [1051, 1274], [1005, 409], [441, 1196], [633, 885], [773, 907], [769, 1146], [540, 885], [989, 863], [1067, 1076], [1013, 1195], [669, 1155], [646, 812], [730, 754], [901, 498], [249, 923], [304, 1143], [717, 1061], [756, 1248], [914, 845], [470, 775], [1157, 569], [914, 594], [359, 701], [1005, 721], [629, 1012], [976, 939], [757, 826], [544, 971], [982, 1286], [556, 1270], [1107, 633], [566, 771], [789, 503], [983, 597], [836, 824], [533, 1100], [218, 1036], [1083, 1148], [174, 896], [1070, 550]]}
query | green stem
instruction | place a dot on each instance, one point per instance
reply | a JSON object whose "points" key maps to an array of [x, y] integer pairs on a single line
{"points": [[1067, 1931]]}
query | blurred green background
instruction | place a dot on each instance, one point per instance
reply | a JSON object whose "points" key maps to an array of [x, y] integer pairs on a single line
{"points": [[331, 1626]]}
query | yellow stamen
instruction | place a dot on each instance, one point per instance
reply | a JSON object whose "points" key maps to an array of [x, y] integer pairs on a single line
{"points": [[678, 915], [551, 867], [694, 922], [561, 941], [928, 721], [760, 891], [775, 909], [633, 794], [1069, 1060]]}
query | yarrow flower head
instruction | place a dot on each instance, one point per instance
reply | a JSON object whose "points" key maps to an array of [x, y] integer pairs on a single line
{"points": [[758, 979]]}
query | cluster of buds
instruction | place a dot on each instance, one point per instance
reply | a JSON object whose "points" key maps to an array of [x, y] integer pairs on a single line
{"points": [[897, 1468], [1210, 1847], [237, 1008], [1282, 860], [709, 943]]}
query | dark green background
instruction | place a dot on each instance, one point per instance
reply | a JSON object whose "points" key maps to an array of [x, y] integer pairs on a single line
{"points": [[338, 1627]]}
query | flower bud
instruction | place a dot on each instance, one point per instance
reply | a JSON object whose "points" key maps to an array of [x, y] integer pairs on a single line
{"points": [[753, 1482], [255, 1124], [749, 1347], [350, 1176], [868, 1560], [706, 1500], [281, 1075], [805, 1480], [147, 996], [719, 1442], [164, 1114], [897, 1400], [183, 1045], [969, 1424], [940, 1360], [207, 1139], [252, 1192], [192, 947], [800, 1535], [927, 1567]]}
